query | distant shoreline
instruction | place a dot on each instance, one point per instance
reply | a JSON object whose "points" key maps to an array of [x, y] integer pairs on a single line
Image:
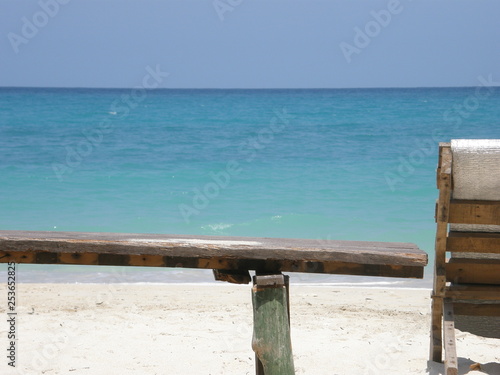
{"points": [[57, 274]]}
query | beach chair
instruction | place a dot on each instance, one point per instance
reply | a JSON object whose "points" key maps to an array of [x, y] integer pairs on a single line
{"points": [[466, 290]]}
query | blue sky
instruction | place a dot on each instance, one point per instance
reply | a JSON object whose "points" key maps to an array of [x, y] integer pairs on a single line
{"points": [[249, 43]]}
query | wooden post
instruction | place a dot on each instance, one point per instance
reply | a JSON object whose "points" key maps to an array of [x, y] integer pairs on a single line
{"points": [[271, 333], [444, 184], [436, 348], [450, 350]]}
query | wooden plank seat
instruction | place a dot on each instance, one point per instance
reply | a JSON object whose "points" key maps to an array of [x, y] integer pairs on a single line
{"points": [[210, 252], [467, 259], [231, 258]]}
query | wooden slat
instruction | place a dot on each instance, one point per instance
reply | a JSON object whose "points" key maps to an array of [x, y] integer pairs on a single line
{"points": [[450, 349], [473, 271], [473, 292], [473, 242], [223, 253], [474, 212], [492, 309]]}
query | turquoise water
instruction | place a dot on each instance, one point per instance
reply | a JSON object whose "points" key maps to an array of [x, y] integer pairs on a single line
{"points": [[339, 164]]}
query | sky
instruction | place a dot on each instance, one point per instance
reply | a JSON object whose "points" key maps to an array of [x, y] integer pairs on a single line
{"points": [[249, 43]]}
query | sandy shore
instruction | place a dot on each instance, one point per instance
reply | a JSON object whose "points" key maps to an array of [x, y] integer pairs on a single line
{"points": [[108, 329]]}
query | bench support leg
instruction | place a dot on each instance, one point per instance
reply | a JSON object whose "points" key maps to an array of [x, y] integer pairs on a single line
{"points": [[450, 350], [271, 333], [436, 347]]}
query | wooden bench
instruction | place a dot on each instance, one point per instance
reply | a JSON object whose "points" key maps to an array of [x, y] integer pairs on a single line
{"points": [[231, 258]]}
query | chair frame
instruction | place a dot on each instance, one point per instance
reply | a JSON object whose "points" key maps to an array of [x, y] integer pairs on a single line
{"points": [[462, 286]]}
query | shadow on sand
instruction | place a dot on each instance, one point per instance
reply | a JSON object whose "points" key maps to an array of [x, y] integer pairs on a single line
{"points": [[464, 367]]}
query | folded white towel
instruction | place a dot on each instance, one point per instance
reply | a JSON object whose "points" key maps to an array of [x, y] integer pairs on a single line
{"points": [[476, 169]]}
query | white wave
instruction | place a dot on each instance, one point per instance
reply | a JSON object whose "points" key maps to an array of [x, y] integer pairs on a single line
{"points": [[218, 227]]}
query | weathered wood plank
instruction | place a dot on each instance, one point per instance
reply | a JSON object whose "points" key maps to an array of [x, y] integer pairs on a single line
{"points": [[271, 335], [473, 271], [472, 242], [474, 212], [230, 253], [450, 349], [490, 309], [473, 292], [260, 265], [203, 246]]}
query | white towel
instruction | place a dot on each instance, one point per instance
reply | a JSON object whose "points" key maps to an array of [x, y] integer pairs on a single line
{"points": [[476, 169]]}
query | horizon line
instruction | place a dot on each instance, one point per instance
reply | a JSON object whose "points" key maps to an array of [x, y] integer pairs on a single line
{"points": [[236, 88]]}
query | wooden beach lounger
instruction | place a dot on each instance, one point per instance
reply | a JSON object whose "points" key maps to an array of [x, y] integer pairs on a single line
{"points": [[467, 284], [231, 258]]}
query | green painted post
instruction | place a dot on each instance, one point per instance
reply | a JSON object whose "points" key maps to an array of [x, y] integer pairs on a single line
{"points": [[271, 333]]}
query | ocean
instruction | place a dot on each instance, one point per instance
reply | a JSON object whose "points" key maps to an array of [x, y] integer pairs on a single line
{"points": [[350, 164]]}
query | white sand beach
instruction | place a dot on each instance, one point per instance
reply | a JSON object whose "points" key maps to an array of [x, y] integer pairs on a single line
{"points": [[106, 329]]}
